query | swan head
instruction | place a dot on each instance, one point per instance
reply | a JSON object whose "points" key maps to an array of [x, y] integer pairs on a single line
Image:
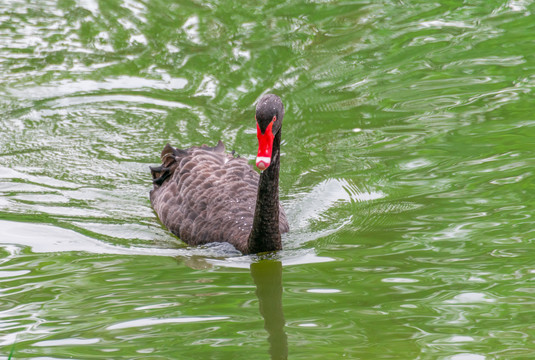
{"points": [[269, 114]]}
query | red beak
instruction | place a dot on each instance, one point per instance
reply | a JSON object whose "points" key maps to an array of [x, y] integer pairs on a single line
{"points": [[265, 146]]}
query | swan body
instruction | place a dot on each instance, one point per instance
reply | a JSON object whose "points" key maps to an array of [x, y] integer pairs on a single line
{"points": [[204, 195]]}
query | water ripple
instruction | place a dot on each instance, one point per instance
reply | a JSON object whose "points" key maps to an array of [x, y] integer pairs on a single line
{"points": [[152, 322]]}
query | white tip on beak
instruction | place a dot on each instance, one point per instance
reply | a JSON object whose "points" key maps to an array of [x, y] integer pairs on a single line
{"points": [[262, 162]]}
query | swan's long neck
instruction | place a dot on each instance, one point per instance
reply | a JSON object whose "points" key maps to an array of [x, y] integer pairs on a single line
{"points": [[265, 234]]}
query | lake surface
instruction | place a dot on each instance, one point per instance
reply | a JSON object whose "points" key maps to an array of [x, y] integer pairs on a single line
{"points": [[407, 176]]}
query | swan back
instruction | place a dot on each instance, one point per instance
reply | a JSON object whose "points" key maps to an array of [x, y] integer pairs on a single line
{"points": [[204, 195]]}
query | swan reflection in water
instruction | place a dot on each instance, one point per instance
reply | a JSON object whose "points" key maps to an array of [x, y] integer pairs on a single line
{"points": [[267, 275]]}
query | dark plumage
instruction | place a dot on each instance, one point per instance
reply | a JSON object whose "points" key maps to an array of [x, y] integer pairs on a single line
{"points": [[204, 195]]}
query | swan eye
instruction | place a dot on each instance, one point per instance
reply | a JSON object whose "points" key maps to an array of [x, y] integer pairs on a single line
{"points": [[274, 118]]}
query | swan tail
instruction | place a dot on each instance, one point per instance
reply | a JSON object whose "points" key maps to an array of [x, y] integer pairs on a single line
{"points": [[170, 157]]}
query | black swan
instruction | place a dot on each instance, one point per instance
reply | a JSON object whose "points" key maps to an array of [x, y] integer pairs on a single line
{"points": [[204, 195]]}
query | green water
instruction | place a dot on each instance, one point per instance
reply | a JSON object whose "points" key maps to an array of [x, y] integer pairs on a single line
{"points": [[407, 176]]}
